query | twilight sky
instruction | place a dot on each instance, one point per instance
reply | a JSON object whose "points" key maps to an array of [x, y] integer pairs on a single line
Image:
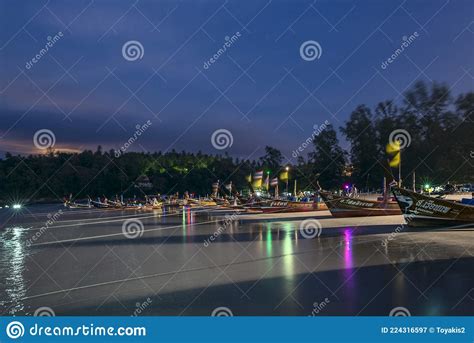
{"points": [[260, 89]]}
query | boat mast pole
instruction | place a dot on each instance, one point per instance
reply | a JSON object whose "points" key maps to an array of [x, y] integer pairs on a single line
{"points": [[400, 170], [414, 182]]}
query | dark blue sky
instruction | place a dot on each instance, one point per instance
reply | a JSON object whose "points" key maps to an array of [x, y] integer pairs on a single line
{"points": [[87, 93]]}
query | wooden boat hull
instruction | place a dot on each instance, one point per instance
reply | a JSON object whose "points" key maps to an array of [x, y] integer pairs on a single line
{"points": [[423, 211], [283, 206], [75, 205], [344, 207], [153, 207], [207, 203], [100, 204]]}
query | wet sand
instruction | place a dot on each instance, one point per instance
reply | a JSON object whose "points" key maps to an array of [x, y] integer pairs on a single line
{"points": [[192, 263]]}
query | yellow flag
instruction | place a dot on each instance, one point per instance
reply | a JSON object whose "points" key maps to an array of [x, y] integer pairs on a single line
{"points": [[257, 183], [249, 178], [395, 161], [393, 147], [284, 176]]}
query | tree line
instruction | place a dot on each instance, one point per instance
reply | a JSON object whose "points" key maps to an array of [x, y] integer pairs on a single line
{"points": [[439, 148]]}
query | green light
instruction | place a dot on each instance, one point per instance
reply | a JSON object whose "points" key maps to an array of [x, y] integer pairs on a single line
{"points": [[427, 186], [269, 239]]}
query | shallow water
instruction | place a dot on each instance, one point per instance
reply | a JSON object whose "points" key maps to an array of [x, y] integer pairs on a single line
{"points": [[82, 262]]}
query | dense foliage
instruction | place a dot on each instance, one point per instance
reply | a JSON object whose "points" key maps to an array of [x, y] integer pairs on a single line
{"points": [[441, 149], [439, 128]]}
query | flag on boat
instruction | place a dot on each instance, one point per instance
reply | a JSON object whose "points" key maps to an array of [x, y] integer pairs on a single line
{"points": [[395, 161], [258, 175], [249, 178], [267, 182], [274, 182], [284, 176], [215, 188], [393, 148], [393, 183], [257, 183]]}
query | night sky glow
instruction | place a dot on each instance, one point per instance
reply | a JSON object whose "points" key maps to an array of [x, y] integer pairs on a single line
{"points": [[260, 89]]}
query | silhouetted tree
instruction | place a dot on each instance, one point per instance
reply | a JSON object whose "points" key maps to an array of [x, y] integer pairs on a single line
{"points": [[272, 160], [365, 153], [327, 159], [441, 149]]}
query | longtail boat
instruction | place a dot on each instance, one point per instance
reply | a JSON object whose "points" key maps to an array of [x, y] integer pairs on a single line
{"points": [[154, 205], [72, 204], [100, 204], [284, 206], [422, 210], [344, 206]]}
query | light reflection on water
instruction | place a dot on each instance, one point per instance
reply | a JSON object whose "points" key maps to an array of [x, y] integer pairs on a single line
{"points": [[188, 218], [269, 239], [286, 237], [349, 267], [12, 262], [348, 261], [283, 259], [287, 250]]}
